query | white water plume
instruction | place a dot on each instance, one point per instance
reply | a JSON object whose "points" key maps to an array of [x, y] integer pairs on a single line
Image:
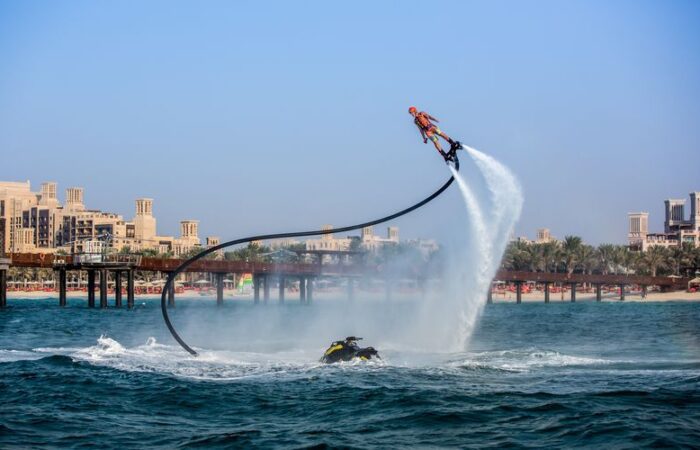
{"points": [[492, 217]]}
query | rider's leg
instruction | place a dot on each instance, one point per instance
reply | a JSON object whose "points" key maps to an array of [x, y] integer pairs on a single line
{"points": [[444, 136], [436, 142]]}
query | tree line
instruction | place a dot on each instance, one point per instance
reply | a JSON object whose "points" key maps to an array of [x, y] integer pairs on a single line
{"points": [[572, 255]]}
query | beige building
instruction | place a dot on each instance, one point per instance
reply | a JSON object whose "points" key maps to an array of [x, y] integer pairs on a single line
{"points": [[328, 242], [677, 229], [544, 236], [368, 240], [38, 223]]}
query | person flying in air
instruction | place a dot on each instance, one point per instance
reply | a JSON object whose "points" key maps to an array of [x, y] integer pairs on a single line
{"points": [[428, 130]]}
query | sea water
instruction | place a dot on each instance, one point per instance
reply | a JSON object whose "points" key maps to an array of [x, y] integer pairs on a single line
{"points": [[609, 374]]}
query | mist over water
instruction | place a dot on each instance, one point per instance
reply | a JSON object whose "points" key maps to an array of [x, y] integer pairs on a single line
{"points": [[441, 321]]}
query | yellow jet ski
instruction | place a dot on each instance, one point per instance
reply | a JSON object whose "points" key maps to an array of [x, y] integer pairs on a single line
{"points": [[348, 350]]}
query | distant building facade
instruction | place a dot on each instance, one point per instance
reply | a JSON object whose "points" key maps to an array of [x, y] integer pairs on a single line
{"points": [[677, 229], [37, 223], [544, 236], [367, 241]]}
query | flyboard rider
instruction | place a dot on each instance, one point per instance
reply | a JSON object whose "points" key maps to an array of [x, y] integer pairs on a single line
{"points": [[428, 130]]}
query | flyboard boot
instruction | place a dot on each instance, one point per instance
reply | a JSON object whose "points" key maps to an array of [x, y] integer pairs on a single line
{"points": [[452, 154]]}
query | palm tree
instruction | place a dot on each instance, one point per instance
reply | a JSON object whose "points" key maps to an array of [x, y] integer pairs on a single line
{"points": [[605, 256], [620, 259], [551, 253], [655, 258], [517, 256], [682, 257], [571, 247], [253, 252], [535, 258], [587, 258]]}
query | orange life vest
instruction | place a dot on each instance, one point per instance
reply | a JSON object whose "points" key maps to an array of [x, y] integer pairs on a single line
{"points": [[423, 122]]}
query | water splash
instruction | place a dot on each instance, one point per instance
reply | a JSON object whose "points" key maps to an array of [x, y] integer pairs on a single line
{"points": [[492, 217]]}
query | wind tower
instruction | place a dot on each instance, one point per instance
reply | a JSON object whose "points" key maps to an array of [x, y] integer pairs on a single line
{"points": [[144, 222], [74, 199]]}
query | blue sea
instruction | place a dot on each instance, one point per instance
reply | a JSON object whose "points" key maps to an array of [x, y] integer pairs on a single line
{"points": [[561, 375]]}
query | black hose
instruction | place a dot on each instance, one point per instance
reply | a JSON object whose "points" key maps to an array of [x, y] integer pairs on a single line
{"points": [[187, 263]]}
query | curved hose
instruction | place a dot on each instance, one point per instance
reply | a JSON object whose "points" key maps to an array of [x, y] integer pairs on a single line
{"points": [[188, 262]]}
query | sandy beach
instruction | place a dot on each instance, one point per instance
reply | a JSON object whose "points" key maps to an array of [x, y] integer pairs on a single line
{"points": [[538, 296], [331, 294]]}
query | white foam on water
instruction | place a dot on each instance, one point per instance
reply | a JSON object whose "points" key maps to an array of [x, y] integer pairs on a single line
{"points": [[18, 355], [522, 360], [208, 365]]}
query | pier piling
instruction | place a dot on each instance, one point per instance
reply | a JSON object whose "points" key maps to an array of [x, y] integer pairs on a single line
{"points": [[622, 292], [282, 281], [489, 295], [103, 288], [309, 290], [62, 280], [171, 294], [256, 288], [302, 290], [4, 266], [3, 286], [130, 289], [118, 289], [266, 288], [518, 291], [546, 292], [598, 292], [573, 292], [91, 288], [219, 289]]}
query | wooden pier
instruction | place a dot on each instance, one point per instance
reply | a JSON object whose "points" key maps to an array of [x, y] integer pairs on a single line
{"points": [[123, 266]]}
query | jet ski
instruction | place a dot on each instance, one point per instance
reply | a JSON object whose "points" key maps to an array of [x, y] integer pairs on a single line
{"points": [[348, 350]]}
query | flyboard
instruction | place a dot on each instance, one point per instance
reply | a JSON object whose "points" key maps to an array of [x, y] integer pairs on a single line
{"points": [[451, 156]]}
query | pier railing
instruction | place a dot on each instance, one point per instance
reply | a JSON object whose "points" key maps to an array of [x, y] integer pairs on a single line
{"points": [[138, 262]]}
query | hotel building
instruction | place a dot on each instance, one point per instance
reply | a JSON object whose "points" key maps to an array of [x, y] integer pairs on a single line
{"points": [[37, 223], [677, 229], [368, 240]]}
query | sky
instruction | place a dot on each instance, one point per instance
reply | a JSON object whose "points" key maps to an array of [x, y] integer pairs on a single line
{"points": [[262, 116]]}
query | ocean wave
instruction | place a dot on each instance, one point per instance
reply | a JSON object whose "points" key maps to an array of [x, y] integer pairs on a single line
{"points": [[520, 360], [208, 365]]}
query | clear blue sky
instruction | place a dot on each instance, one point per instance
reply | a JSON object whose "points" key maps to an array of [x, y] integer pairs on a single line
{"points": [[286, 115]]}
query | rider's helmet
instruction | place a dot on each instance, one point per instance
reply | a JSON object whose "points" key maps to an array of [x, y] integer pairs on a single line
{"points": [[412, 110]]}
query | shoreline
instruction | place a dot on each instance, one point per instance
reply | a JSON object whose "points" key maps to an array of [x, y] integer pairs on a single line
{"points": [[506, 297], [538, 296]]}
